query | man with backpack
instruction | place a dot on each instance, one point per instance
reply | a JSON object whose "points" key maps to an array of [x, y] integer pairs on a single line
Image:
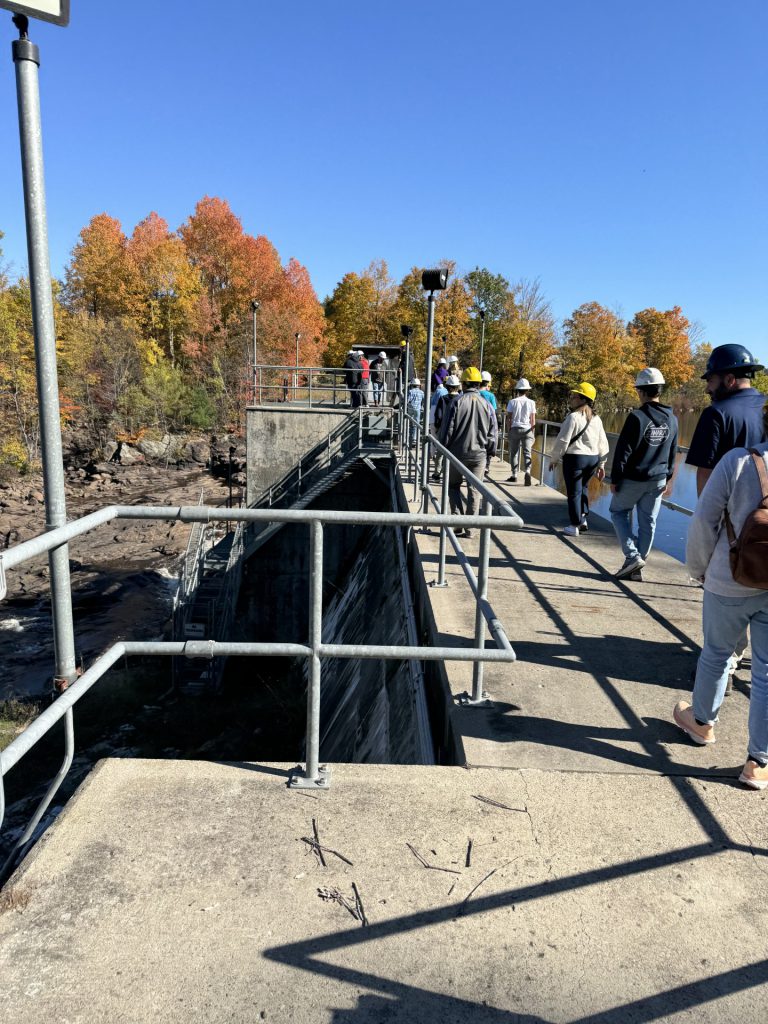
{"points": [[731, 561], [643, 465]]}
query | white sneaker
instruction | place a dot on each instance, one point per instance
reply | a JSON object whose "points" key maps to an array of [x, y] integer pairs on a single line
{"points": [[571, 531]]}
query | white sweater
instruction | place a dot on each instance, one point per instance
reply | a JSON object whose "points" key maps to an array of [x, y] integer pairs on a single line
{"points": [[734, 484], [592, 442]]}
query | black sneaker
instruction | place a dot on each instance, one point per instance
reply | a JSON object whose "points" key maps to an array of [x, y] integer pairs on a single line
{"points": [[528, 481], [511, 479], [584, 526], [636, 576], [630, 566]]}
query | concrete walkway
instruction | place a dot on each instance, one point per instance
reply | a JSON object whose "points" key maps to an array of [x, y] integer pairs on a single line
{"points": [[588, 865]]}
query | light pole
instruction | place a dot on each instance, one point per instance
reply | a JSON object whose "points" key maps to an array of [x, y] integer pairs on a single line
{"points": [[254, 311], [445, 346], [297, 335], [431, 281], [482, 337]]}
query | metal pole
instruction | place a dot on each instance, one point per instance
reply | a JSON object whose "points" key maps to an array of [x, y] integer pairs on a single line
{"points": [[441, 582], [543, 453], [482, 339], [26, 57], [310, 389], [254, 310], [315, 774], [427, 400], [260, 398], [482, 595]]}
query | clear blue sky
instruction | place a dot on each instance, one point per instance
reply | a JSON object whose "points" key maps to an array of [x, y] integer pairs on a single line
{"points": [[616, 151]]}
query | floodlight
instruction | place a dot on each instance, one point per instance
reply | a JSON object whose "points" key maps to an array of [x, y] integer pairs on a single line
{"points": [[406, 331], [56, 11], [434, 280]]}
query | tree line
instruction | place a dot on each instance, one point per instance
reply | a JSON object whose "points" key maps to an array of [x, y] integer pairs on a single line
{"points": [[154, 329]]}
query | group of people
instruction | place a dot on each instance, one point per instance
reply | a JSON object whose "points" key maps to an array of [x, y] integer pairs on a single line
{"points": [[727, 546], [367, 381]]}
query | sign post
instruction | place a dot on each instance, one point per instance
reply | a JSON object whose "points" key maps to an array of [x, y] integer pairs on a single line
{"points": [[26, 57]]}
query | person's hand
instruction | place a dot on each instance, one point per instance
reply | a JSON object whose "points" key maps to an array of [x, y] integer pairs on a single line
{"points": [[600, 474], [553, 464], [614, 489], [667, 492]]}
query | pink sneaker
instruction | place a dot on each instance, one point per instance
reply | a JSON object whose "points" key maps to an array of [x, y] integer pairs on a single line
{"points": [[683, 715]]}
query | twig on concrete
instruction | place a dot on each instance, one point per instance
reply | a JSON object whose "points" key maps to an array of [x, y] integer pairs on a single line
{"points": [[468, 862], [318, 848], [334, 896], [431, 867], [465, 901], [360, 907], [495, 803], [453, 886]]}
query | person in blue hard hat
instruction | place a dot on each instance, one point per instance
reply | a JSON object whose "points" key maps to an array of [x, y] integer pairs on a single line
{"points": [[735, 417]]}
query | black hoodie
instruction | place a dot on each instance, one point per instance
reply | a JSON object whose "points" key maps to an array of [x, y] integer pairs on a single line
{"points": [[647, 445]]}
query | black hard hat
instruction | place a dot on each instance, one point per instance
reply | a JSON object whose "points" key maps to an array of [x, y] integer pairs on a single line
{"points": [[731, 359]]}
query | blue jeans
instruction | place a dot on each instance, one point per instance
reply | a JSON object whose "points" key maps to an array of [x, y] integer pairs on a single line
{"points": [[645, 495], [725, 621]]}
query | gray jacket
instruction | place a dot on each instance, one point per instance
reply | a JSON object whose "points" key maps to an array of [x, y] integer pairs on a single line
{"points": [[469, 429], [734, 484]]}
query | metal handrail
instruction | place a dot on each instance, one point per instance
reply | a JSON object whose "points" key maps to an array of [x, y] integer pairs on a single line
{"points": [[288, 389], [314, 774]]}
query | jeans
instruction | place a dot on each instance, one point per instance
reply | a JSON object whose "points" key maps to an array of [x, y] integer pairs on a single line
{"points": [[725, 620], [520, 437], [578, 471], [645, 495], [378, 392], [455, 477]]}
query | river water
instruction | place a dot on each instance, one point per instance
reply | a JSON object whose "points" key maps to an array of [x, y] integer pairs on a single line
{"points": [[671, 526]]}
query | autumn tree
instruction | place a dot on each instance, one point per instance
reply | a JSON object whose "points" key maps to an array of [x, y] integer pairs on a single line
{"points": [[597, 348], [661, 339], [100, 277], [19, 423]]}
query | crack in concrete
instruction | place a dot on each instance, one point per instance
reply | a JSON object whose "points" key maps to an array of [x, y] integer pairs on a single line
{"points": [[735, 822]]}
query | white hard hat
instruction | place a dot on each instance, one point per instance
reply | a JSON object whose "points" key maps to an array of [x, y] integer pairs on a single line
{"points": [[452, 381], [486, 376], [452, 359], [382, 355], [416, 381], [441, 361], [522, 385], [650, 375], [360, 352], [352, 352]]}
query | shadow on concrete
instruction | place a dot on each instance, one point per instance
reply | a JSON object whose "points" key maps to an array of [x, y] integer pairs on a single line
{"points": [[400, 1001]]}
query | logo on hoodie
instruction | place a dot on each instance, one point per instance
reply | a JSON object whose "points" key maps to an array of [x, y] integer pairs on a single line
{"points": [[656, 434]]}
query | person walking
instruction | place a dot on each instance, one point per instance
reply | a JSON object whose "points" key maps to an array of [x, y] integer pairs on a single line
{"points": [[353, 377], [365, 374], [441, 372], [488, 395], [414, 404], [643, 466], [736, 488], [469, 431], [735, 417], [583, 448], [378, 370], [445, 394], [521, 421]]}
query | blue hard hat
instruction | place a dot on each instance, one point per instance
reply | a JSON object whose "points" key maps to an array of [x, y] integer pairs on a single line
{"points": [[731, 359]]}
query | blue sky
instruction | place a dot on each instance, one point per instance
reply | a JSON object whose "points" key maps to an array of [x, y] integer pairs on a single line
{"points": [[616, 151]]}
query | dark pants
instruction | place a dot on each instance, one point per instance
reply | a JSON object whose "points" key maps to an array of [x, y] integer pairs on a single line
{"points": [[455, 478], [578, 471]]}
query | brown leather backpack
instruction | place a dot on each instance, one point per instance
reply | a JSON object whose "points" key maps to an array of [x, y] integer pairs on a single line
{"points": [[749, 551]]}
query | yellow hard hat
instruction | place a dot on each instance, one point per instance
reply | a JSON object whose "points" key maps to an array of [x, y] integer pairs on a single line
{"points": [[586, 390], [471, 376]]}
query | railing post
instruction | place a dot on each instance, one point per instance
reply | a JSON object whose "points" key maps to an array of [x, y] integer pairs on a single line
{"points": [[315, 774], [359, 428], [543, 453], [260, 396], [478, 694], [310, 388], [441, 581]]}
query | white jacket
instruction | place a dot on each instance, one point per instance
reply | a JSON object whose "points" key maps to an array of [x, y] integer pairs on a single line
{"points": [[592, 442]]}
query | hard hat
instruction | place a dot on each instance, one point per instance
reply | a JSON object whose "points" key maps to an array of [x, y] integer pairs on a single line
{"points": [[586, 390], [352, 352], [452, 381], [441, 361], [731, 359], [403, 343], [471, 376], [650, 375], [416, 381], [360, 352], [382, 355], [486, 376], [522, 385], [452, 359]]}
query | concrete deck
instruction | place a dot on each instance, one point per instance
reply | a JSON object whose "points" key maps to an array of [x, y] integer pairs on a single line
{"points": [[624, 879]]}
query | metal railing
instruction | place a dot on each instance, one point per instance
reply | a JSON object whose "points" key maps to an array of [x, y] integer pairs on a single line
{"points": [[314, 774], [317, 386], [544, 454]]}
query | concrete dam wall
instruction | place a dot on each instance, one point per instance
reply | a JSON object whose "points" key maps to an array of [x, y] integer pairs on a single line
{"points": [[372, 710]]}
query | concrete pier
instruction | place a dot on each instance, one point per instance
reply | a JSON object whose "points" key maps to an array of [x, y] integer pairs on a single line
{"points": [[588, 864]]}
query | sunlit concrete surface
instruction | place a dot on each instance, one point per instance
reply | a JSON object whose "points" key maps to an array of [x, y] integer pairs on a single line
{"points": [[179, 891]]}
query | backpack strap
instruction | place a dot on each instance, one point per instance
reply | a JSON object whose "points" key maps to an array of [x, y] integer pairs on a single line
{"points": [[759, 464]]}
